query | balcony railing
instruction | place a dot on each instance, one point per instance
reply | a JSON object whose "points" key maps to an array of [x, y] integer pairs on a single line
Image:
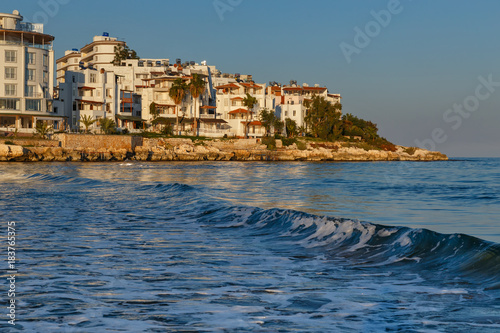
{"points": [[47, 47]]}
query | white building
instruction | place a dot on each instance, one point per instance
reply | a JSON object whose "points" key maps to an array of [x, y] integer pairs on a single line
{"points": [[27, 65], [94, 83], [293, 97], [230, 107], [124, 90]]}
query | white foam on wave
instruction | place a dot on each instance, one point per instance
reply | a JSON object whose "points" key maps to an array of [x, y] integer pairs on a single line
{"points": [[386, 233]]}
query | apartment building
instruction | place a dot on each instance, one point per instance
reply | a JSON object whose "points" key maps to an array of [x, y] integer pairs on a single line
{"points": [[289, 100], [231, 91], [27, 67], [125, 89]]}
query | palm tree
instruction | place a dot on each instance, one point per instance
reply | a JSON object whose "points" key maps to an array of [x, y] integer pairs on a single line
{"points": [[177, 92], [249, 102], [108, 125], [87, 121], [42, 129], [196, 87]]}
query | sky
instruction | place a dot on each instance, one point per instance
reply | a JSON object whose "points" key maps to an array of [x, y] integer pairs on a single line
{"points": [[427, 72]]}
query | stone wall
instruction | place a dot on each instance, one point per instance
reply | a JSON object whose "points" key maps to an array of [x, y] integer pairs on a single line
{"points": [[31, 142], [73, 141]]}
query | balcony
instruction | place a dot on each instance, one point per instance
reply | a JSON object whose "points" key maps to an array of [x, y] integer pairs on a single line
{"points": [[207, 116]]}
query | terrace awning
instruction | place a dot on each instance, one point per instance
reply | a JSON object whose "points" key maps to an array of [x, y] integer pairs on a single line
{"points": [[128, 118]]}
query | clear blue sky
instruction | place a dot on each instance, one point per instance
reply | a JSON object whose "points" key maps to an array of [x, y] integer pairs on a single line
{"points": [[414, 69]]}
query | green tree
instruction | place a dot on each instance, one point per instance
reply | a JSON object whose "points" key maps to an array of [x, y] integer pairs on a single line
{"points": [[153, 110], [108, 125], [177, 92], [278, 125], [249, 102], [196, 87], [267, 118], [123, 52], [291, 127], [42, 129], [87, 121], [301, 130], [323, 118]]}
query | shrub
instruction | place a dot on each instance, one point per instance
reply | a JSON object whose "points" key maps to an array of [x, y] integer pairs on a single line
{"points": [[270, 142], [301, 145], [288, 142], [8, 142]]}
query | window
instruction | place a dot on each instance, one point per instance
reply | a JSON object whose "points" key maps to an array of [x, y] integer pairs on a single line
{"points": [[10, 90], [33, 104], [9, 104], [30, 75], [108, 92], [93, 78], [45, 76], [30, 58], [294, 113], [74, 106], [45, 60], [10, 73], [30, 91], [10, 56], [286, 113]]}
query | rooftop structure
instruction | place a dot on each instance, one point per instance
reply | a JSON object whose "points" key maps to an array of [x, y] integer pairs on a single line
{"points": [[27, 66]]}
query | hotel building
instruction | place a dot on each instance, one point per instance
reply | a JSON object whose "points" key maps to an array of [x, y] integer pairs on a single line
{"points": [[27, 67]]}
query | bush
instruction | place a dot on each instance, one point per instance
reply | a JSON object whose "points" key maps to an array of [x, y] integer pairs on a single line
{"points": [[270, 142], [167, 130], [288, 142], [8, 142], [301, 145]]}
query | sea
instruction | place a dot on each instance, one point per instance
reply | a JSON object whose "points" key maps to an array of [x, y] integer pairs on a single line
{"points": [[252, 246]]}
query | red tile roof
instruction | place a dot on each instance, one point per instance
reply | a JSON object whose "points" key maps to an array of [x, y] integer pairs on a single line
{"points": [[230, 86], [240, 111], [315, 88]]}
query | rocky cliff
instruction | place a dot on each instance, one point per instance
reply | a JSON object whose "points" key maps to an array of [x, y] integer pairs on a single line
{"points": [[215, 150]]}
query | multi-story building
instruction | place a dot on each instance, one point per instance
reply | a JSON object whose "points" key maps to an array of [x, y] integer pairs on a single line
{"points": [[230, 95], [27, 67], [94, 82], [293, 97], [125, 89]]}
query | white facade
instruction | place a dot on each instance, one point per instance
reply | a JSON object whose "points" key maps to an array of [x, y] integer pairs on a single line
{"points": [[124, 91], [230, 96], [27, 67]]}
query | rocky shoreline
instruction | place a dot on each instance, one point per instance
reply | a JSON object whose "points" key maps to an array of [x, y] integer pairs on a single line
{"points": [[215, 150]]}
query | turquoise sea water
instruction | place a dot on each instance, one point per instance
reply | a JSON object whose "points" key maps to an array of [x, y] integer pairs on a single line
{"points": [[265, 247]]}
